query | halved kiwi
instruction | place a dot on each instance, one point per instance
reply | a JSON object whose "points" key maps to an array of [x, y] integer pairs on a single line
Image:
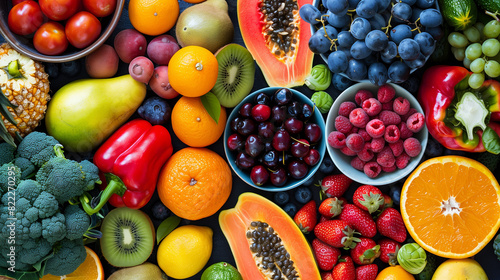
{"points": [[236, 74], [128, 237]]}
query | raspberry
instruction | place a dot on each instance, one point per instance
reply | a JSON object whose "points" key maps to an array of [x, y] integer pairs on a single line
{"points": [[353, 130], [415, 122], [366, 154], [407, 115], [358, 117], [412, 146], [402, 161], [342, 124], [385, 157], [401, 105], [362, 95], [388, 106], [397, 147], [377, 144], [404, 132], [348, 152], [357, 163], [336, 139], [364, 134], [375, 128], [389, 117], [345, 108], [391, 134], [372, 106], [389, 169], [372, 169], [355, 142], [385, 93]]}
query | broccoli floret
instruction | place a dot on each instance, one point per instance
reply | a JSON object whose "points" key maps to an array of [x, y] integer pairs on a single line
{"points": [[91, 174], [6, 153], [63, 178], [29, 189], [10, 176], [67, 258], [54, 228], [34, 250], [27, 168], [36, 230], [37, 147], [77, 222], [46, 204]]}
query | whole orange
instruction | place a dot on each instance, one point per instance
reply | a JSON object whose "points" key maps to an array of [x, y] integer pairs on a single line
{"points": [[153, 17], [394, 273], [193, 125], [194, 1], [194, 183], [192, 71]]}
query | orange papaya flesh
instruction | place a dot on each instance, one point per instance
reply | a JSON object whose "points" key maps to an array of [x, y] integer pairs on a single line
{"points": [[281, 49], [254, 213]]}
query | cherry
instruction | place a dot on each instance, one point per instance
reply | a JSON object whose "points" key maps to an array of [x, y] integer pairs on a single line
{"points": [[246, 127], [278, 177], [259, 175], [234, 123], [278, 114], [266, 130], [261, 112], [307, 112], [295, 109], [235, 142], [284, 157], [294, 125], [262, 98], [282, 96], [312, 132], [300, 148], [270, 159], [254, 145], [246, 110], [312, 157], [244, 161], [269, 147], [281, 140], [298, 169]]}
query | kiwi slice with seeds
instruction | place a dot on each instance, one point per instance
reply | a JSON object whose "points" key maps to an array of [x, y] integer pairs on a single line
{"points": [[128, 237], [236, 74]]}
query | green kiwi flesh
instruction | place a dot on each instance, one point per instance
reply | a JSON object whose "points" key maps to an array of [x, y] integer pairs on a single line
{"points": [[236, 74], [128, 237]]}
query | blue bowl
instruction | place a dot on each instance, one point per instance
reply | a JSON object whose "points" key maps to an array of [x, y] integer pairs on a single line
{"points": [[245, 175]]}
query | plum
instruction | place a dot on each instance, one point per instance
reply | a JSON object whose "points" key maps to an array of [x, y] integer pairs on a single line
{"points": [[160, 85], [129, 44], [162, 48], [102, 63], [141, 69]]}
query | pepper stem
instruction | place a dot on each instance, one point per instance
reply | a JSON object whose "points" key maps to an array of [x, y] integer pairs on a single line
{"points": [[115, 186], [472, 113], [58, 150]]}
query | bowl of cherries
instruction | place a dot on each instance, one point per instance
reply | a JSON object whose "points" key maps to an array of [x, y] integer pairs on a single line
{"points": [[274, 139]]}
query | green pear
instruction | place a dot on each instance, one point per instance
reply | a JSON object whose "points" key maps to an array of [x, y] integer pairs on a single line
{"points": [[145, 271]]}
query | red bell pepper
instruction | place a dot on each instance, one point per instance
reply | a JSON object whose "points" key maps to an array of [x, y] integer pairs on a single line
{"points": [[459, 117], [133, 156]]}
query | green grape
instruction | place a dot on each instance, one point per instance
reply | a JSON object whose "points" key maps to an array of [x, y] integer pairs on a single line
{"points": [[458, 40], [473, 51], [479, 26], [477, 66], [459, 53], [492, 29], [492, 68], [476, 80], [491, 47], [472, 34], [467, 62]]}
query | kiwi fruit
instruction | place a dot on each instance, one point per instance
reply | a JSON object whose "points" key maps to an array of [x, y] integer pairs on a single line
{"points": [[236, 74], [128, 237]]}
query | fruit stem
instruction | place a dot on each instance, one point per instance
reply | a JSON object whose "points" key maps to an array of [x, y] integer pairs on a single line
{"points": [[303, 143], [494, 15], [199, 66], [115, 186]]}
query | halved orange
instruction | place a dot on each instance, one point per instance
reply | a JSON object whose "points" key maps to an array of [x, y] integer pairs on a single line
{"points": [[451, 206], [90, 269]]}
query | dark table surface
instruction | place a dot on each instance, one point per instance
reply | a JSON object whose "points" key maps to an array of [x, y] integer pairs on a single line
{"points": [[221, 251]]}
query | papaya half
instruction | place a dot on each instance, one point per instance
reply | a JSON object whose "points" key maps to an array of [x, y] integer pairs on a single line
{"points": [[266, 242], [278, 39]]}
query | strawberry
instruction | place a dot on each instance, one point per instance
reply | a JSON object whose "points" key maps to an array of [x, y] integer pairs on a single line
{"points": [[326, 255], [306, 217], [323, 219], [326, 275], [387, 202], [344, 270], [368, 198], [331, 207], [336, 233], [367, 272], [365, 252], [390, 224], [389, 251], [335, 185], [359, 220]]}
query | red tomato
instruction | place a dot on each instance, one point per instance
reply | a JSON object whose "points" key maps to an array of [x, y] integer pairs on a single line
{"points": [[24, 18], [82, 29], [15, 2], [50, 39], [59, 9], [100, 8]]}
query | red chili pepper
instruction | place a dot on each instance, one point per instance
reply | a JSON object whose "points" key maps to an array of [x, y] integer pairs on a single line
{"points": [[459, 117], [135, 154]]}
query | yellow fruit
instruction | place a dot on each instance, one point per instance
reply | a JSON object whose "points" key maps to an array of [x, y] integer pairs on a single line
{"points": [[90, 269], [394, 273], [462, 269], [185, 251]]}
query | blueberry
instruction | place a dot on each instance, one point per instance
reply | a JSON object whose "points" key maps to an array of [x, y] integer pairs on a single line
{"points": [[340, 82], [281, 198], [155, 110], [290, 209], [434, 148], [309, 182], [70, 68], [303, 195], [395, 194], [52, 69], [326, 166], [160, 211]]}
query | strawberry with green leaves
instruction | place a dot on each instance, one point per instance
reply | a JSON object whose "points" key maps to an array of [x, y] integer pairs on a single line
{"points": [[306, 217], [335, 185], [326, 255], [389, 251], [390, 224], [368, 198], [344, 270], [331, 207], [365, 252], [359, 220], [336, 233], [367, 272]]}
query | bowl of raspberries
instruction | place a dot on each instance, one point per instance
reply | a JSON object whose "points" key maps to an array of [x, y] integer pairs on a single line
{"points": [[376, 135]]}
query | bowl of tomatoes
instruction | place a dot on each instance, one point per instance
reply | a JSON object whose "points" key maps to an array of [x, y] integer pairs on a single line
{"points": [[58, 30]]}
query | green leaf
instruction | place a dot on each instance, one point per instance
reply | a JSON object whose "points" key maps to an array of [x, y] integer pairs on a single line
{"points": [[166, 227], [491, 141], [212, 105]]}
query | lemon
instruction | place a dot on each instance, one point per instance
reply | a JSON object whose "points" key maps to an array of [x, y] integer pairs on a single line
{"points": [[185, 251], [221, 271], [460, 269]]}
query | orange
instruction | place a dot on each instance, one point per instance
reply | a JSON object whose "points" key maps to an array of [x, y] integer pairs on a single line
{"points": [[394, 273], [194, 183], [153, 17], [90, 269], [194, 1], [193, 125], [451, 206], [192, 71]]}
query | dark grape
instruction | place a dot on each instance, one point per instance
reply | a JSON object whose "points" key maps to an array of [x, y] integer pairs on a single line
{"points": [[337, 6], [282, 96], [329, 31], [338, 21], [298, 169], [356, 69], [398, 72], [310, 13], [409, 2], [353, 4], [376, 40], [415, 14], [278, 177], [431, 18], [436, 32], [360, 28], [382, 5], [377, 22], [246, 110], [424, 4], [391, 51], [235, 142], [337, 61], [254, 145], [400, 32], [312, 132], [401, 11], [426, 43], [377, 73], [366, 8], [319, 43], [259, 175], [416, 63], [359, 50], [408, 49], [345, 39]]}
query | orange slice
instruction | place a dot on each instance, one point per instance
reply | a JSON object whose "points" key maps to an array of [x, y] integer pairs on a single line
{"points": [[451, 206], [90, 269]]}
